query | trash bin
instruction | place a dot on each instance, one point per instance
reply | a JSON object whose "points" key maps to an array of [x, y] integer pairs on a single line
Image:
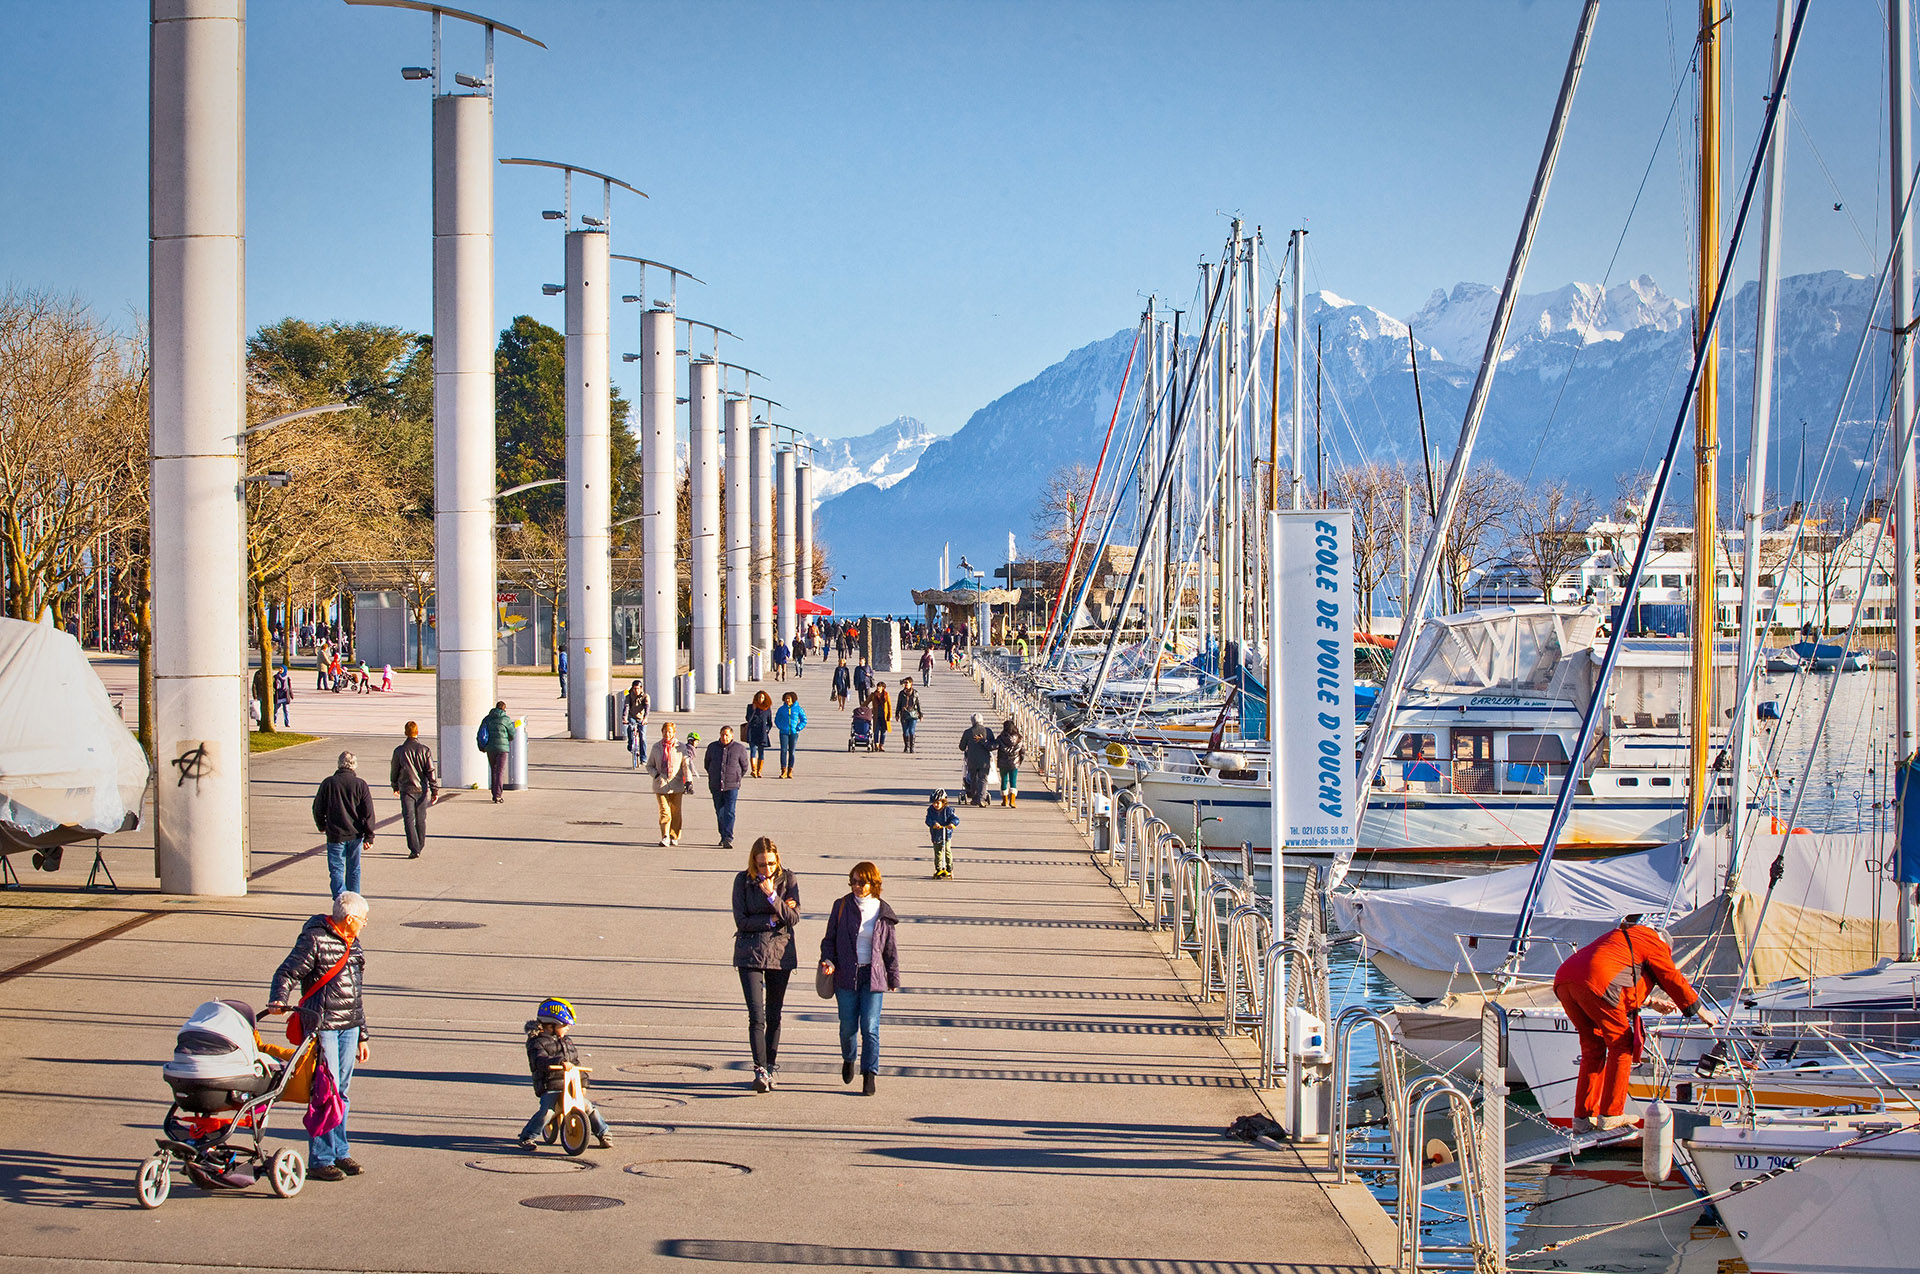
{"points": [[683, 692], [1102, 832], [517, 758], [613, 715], [726, 676], [756, 667]]}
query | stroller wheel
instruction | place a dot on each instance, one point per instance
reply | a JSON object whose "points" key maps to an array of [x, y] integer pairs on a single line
{"points": [[573, 1132], [154, 1180], [287, 1172]]}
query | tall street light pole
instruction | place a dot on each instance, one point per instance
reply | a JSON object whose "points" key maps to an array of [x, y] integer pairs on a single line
{"points": [[197, 299], [589, 431], [463, 393]]}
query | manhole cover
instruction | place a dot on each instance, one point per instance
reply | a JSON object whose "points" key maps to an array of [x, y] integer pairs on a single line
{"points": [[636, 1101], [593, 822], [529, 1165], [684, 1169], [442, 924], [661, 1069], [572, 1202]]}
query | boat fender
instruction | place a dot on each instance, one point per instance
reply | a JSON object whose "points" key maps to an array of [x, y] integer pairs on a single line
{"points": [[1656, 1142], [1220, 760]]}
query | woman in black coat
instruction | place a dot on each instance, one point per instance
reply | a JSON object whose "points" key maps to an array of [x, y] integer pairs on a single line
{"points": [[757, 731], [858, 953], [766, 908]]}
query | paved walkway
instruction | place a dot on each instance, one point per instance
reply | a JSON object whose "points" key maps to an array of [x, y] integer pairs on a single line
{"points": [[1051, 1099]]}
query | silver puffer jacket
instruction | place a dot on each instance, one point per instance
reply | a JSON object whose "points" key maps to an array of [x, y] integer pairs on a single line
{"points": [[338, 1006]]}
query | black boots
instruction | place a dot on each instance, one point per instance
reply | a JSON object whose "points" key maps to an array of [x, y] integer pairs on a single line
{"points": [[846, 1071], [866, 1084]]}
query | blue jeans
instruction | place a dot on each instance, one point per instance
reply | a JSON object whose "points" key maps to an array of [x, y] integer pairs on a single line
{"points": [[283, 710], [339, 1050], [343, 866], [860, 1009], [547, 1102], [788, 744], [756, 752], [724, 804]]}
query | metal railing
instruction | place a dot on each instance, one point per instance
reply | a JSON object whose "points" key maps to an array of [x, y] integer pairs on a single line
{"points": [[1411, 1174], [1248, 930], [1392, 1090]]}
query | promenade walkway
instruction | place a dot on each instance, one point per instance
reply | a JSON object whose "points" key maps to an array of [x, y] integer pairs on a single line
{"points": [[1050, 1100]]}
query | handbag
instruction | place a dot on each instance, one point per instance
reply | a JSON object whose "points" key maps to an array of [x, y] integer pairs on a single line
{"points": [[822, 981], [296, 1023], [299, 1085], [326, 1108]]}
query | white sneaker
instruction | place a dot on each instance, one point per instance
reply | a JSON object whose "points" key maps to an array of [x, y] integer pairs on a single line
{"points": [[665, 841]]}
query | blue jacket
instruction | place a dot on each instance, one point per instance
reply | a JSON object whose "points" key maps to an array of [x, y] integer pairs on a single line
{"points": [[938, 817], [789, 718]]}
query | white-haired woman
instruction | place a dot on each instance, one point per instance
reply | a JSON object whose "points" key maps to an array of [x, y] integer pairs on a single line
{"points": [[322, 980]]}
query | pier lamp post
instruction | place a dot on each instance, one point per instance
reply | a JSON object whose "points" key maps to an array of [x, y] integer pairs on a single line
{"points": [[703, 490], [463, 390], [739, 537], [589, 481]]}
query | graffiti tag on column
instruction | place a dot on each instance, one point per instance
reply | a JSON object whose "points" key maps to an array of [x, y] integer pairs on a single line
{"points": [[195, 763]]}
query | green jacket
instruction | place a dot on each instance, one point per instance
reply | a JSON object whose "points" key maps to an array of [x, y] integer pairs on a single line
{"points": [[497, 730]]}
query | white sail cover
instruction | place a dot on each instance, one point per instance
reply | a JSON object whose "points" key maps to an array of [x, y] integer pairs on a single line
{"points": [[1821, 916], [69, 768]]}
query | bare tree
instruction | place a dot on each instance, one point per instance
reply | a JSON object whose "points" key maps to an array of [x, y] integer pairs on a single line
{"points": [[1475, 540], [1374, 493], [1062, 502], [1547, 529]]}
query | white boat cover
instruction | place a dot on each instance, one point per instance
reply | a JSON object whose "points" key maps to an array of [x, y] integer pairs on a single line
{"points": [[70, 769], [215, 1045], [1821, 916]]}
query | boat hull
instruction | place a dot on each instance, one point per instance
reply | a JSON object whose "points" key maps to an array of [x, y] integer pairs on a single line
{"points": [[1237, 815], [1847, 1212]]}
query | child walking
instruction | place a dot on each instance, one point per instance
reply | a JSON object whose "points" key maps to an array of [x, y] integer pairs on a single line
{"points": [[941, 820], [548, 1051]]}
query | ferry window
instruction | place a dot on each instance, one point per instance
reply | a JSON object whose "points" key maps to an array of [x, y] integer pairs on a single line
{"points": [[1536, 749], [1658, 781], [1415, 747], [1669, 581], [1629, 782]]}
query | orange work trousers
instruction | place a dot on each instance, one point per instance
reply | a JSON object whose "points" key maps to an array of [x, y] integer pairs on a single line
{"points": [[1608, 1051]]}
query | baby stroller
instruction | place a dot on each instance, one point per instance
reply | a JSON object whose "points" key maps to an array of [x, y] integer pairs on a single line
{"points": [[222, 1086], [860, 734]]}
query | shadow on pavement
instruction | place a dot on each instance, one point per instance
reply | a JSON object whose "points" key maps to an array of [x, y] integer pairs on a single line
{"points": [[742, 1252]]}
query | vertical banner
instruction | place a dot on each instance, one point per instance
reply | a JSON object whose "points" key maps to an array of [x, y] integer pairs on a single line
{"points": [[1316, 804]]}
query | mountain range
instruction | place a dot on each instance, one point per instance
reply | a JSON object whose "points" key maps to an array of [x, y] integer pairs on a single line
{"points": [[1587, 392], [882, 457]]}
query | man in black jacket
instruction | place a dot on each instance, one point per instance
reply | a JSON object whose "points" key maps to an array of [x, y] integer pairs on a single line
{"points": [[343, 813], [412, 776], [726, 762]]}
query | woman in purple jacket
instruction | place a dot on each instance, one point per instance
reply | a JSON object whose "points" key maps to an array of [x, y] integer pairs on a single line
{"points": [[858, 953]]}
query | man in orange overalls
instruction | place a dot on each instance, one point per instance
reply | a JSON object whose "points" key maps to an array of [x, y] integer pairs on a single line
{"points": [[1602, 987]]}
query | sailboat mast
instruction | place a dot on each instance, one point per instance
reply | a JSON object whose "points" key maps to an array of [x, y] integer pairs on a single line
{"points": [[1900, 126], [1299, 358], [1765, 329], [1706, 423]]}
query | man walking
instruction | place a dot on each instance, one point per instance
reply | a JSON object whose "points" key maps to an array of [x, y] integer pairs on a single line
{"points": [[978, 743], [343, 813], [496, 740], [726, 763], [412, 776]]}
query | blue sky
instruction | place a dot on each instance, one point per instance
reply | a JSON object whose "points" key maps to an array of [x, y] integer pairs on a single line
{"points": [[913, 207]]}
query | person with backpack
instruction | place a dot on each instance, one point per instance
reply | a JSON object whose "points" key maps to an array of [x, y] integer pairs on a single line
{"points": [[495, 738]]}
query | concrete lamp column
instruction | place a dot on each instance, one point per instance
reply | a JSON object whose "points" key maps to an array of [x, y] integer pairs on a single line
{"points": [[703, 462], [659, 528], [760, 496], [803, 530], [783, 579], [197, 299], [739, 620], [589, 487]]}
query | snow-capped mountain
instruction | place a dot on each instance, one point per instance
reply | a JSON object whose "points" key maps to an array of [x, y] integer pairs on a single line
{"points": [[1588, 390], [882, 457]]}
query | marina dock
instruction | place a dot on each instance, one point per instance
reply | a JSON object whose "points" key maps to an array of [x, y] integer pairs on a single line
{"points": [[1051, 1097]]}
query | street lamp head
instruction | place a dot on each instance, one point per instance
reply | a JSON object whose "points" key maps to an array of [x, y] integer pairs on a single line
{"points": [[553, 214], [552, 289], [629, 358], [596, 222], [468, 81], [630, 299], [416, 73]]}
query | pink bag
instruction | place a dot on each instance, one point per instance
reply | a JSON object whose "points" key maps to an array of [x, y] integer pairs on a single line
{"points": [[326, 1109]]}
